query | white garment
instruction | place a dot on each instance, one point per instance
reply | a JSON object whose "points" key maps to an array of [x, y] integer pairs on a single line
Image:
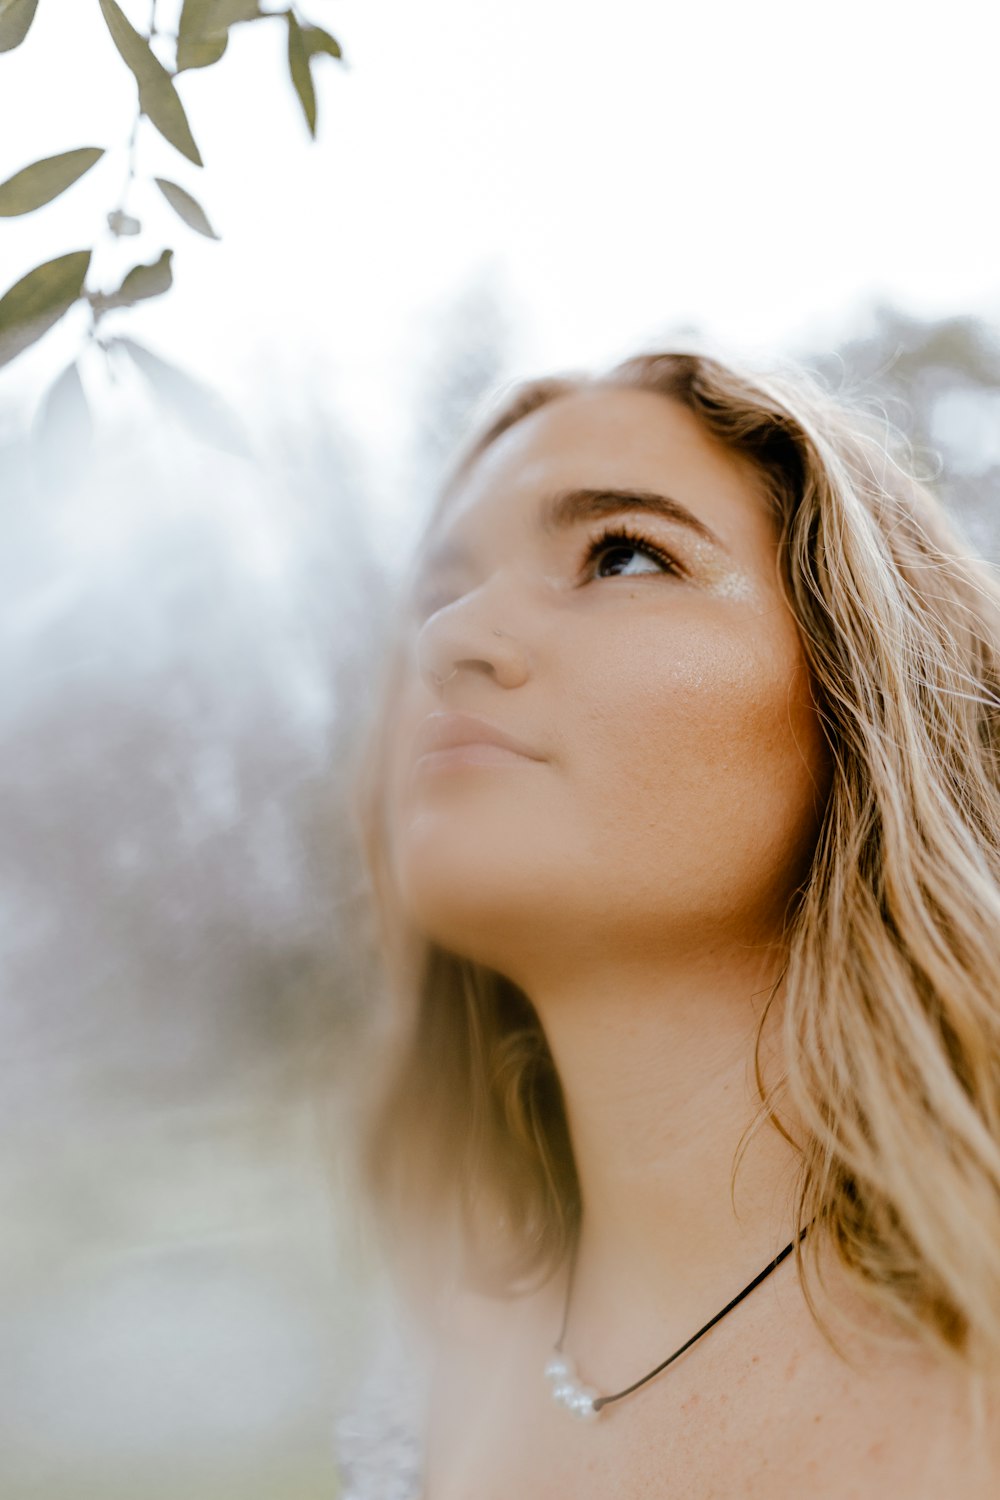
{"points": [[379, 1432]]}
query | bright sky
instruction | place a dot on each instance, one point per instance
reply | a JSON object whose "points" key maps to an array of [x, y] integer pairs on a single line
{"points": [[760, 170]]}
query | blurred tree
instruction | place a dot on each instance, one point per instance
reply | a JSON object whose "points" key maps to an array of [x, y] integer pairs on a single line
{"points": [[180, 882], [938, 382], [467, 355]]}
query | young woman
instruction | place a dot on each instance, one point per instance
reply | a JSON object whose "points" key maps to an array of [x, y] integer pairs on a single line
{"points": [[681, 804]]}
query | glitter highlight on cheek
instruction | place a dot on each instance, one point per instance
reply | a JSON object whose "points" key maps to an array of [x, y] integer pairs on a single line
{"points": [[733, 585], [727, 583]]}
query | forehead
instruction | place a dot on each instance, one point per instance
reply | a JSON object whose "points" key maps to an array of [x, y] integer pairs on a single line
{"points": [[618, 438]]}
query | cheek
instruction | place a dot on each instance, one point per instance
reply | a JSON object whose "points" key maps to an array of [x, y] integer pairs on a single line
{"points": [[673, 710], [709, 747]]}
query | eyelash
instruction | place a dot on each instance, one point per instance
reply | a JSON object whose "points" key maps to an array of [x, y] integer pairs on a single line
{"points": [[622, 534]]}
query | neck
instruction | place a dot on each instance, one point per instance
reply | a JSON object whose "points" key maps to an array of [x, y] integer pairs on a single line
{"points": [[657, 1072]]}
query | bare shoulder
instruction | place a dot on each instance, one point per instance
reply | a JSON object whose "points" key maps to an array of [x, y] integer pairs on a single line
{"points": [[771, 1410], [892, 1418], [927, 1429], [961, 1416]]}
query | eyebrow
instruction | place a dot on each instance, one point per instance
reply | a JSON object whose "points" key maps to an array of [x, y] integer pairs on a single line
{"points": [[572, 507]]}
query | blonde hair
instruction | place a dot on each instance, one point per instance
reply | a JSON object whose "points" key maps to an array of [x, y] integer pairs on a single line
{"points": [[891, 1022]]}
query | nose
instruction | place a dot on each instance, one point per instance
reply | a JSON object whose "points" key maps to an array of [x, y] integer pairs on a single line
{"points": [[453, 641]]}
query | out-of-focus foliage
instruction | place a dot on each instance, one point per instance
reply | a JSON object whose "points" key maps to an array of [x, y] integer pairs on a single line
{"points": [[141, 282], [16, 17], [64, 430], [468, 355], [200, 408], [186, 644], [43, 295], [38, 184], [187, 207], [32, 305], [158, 99], [938, 381]]}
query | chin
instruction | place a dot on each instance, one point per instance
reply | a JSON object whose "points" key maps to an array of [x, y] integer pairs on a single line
{"points": [[462, 918], [466, 909]]}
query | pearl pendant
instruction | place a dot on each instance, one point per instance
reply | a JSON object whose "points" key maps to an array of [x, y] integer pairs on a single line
{"points": [[569, 1391]]}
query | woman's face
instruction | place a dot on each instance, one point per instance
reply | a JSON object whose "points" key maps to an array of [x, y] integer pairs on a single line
{"points": [[659, 681]]}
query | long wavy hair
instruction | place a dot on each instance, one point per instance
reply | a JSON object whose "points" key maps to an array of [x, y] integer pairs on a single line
{"points": [[891, 1021]]}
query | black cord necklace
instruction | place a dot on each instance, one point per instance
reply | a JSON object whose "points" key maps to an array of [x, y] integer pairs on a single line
{"points": [[585, 1403]]}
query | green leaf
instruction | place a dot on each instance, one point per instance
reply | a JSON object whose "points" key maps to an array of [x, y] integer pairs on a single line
{"points": [[31, 306], [157, 96], [317, 40], [141, 282], [45, 179], [195, 20], [189, 209], [199, 42], [134, 48], [63, 430], [201, 51], [16, 17], [298, 66], [202, 410], [204, 29], [232, 12]]}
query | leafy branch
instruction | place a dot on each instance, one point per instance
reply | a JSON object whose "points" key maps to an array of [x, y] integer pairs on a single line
{"points": [[36, 302]]}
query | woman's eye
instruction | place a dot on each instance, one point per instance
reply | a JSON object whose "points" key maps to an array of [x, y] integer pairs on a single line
{"points": [[617, 545]]}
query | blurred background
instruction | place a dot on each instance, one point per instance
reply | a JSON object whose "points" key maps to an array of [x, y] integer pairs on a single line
{"points": [[190, 622]]}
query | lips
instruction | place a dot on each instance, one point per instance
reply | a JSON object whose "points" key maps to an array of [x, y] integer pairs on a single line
{"points": [[442, 731]]}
